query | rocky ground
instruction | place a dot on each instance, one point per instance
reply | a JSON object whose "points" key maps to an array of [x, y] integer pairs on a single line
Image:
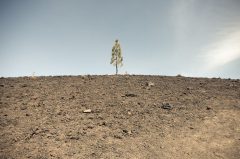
{"points": [[119, 117]]}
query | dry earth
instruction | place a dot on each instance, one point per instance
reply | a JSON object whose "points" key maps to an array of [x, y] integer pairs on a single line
{"points": [[43, 117]]}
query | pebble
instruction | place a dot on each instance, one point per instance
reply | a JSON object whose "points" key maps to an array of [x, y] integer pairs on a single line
{"points": [[130, 95], [167, 106], [87, 111], [23, 107], [208, 108], [150, 84]]}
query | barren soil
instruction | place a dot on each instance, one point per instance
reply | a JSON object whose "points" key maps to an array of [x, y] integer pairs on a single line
{"points": [[137, 117]]}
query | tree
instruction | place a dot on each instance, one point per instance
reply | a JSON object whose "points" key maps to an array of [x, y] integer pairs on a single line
{"points": [[117, 58]]}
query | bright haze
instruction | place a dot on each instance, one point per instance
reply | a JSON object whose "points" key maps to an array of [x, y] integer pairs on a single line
{"points": [[198, 38]]}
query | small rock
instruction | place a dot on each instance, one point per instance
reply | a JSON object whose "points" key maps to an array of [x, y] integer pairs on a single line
{"points": [[231, 85], [1, 85], [130, 95], [117, 136], [59, 112], [150, 84], [90, 126], [23, 107], [74, 137], [167, 106], [24, 85], [72, 97], [208, 108], [34, 98], [127, 132], [102, 124], [87, 111], [90, 117]]}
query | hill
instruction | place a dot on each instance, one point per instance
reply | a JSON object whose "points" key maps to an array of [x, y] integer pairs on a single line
{"points": [[119, 117]]}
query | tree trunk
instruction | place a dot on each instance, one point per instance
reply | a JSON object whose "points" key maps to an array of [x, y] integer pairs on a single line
{"points": [[116, 67]]}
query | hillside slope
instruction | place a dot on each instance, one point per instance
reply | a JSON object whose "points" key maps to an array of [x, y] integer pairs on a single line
{"points": [[125, 117]]}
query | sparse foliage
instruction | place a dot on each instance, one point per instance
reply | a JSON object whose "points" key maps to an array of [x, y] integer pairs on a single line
{"points": [[117, 58]]}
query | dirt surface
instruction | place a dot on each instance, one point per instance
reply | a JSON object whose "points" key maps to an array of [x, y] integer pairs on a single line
{"points": [[119, 117]]}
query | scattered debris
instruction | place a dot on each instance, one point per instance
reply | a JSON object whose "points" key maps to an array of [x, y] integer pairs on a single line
{"points": [[74, 137], [23, 107], [232, 85], [117, 136], [72, 97], [87, 111], [130, 95], [127, 132], [33, 131], [150, 84], [167, 106], [35, 97], [90, 126], [24, 85], [189, 88], [102, 123], [208, 108]]}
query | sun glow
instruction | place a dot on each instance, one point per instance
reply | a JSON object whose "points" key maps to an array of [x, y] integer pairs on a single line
{"points": [[224, 51]]}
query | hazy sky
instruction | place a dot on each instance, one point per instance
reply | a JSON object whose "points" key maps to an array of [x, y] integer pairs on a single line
{"points": [[161, 37]]}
